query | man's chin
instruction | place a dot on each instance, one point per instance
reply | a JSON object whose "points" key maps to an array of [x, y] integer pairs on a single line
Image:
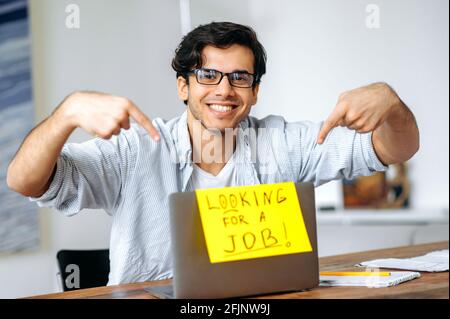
{"points": [[222, 127]]}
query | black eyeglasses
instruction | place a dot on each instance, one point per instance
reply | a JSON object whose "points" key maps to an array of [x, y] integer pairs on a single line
{"points": [[240, 79]]}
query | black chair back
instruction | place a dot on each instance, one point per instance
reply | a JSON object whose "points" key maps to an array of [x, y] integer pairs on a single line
{"points": [[81, 269]]}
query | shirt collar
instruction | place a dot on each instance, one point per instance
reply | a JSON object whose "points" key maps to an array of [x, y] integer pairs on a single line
{"points": [[184, 147]]}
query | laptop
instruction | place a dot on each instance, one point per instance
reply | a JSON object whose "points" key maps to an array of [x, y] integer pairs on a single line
{"points": [[197, 278]]}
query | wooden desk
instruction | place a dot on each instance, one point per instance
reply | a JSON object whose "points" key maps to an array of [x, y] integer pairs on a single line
{"points": [[429, 285]]}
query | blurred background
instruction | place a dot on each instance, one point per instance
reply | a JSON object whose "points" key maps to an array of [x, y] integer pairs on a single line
{"points": [[316, 50]]}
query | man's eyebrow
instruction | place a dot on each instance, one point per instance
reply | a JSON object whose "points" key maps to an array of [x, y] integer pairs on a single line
{"points": [[235, 70], [241, 71]]}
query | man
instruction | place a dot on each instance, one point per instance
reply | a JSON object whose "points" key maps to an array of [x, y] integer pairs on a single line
{"points": [[131, 172]]}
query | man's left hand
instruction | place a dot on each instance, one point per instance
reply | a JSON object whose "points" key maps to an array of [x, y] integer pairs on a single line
{"points": [[362, 109]]}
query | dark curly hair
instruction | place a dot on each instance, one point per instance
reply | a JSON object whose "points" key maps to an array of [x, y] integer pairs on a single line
{"points": [[188, 54]]}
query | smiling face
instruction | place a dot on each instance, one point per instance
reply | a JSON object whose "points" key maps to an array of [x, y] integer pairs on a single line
{"points": [[220, 106]]}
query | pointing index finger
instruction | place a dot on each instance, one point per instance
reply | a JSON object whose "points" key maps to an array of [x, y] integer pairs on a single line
{"points": [[331, 122], [144, 121]]}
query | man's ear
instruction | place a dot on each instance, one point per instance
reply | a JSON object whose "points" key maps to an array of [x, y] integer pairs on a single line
{"points": [[183, 88], [255, 91]]}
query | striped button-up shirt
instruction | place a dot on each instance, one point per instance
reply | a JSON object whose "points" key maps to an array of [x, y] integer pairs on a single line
{"points": [[130, 176]]}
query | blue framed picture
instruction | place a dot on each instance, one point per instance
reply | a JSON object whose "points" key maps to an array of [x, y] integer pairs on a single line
{"points": [[18, 216]]}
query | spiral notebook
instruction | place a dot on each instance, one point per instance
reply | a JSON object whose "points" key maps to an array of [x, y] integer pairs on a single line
{"points": [[395, 278]]}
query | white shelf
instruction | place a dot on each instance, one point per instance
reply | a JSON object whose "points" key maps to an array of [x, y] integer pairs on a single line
{"points": [[383, 217]]}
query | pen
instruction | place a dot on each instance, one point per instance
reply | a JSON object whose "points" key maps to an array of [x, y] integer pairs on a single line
{"points": [[354, 273]]}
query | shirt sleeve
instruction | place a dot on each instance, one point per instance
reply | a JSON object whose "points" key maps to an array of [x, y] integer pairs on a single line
{"points": [[89, 175], [344, 153]]}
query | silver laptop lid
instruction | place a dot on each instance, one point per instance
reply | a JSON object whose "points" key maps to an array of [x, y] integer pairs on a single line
{"points": [[196, 277]]}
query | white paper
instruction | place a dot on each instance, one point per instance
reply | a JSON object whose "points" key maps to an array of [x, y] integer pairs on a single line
{"points": [[432, 262]]}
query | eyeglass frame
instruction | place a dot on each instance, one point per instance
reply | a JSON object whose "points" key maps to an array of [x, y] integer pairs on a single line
{"points": [[222, 74]]}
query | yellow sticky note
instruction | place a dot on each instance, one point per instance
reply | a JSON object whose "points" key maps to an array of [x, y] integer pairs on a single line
{"points": [[252, 221]]}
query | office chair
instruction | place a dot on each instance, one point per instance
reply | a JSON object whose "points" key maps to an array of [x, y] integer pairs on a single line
{"points": [[83, 268]]}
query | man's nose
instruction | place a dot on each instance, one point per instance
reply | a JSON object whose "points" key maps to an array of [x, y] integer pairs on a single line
{"points": [[224, 88]]}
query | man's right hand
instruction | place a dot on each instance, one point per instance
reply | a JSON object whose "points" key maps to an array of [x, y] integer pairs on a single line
{"points": [[103, 115]]}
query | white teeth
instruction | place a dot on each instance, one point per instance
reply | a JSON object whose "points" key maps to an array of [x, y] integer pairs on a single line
{"points": [[221, 108]]}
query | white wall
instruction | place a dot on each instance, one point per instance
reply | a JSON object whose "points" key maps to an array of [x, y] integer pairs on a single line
{"points": [[122, 47], [319, 49], [316, 50]]}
